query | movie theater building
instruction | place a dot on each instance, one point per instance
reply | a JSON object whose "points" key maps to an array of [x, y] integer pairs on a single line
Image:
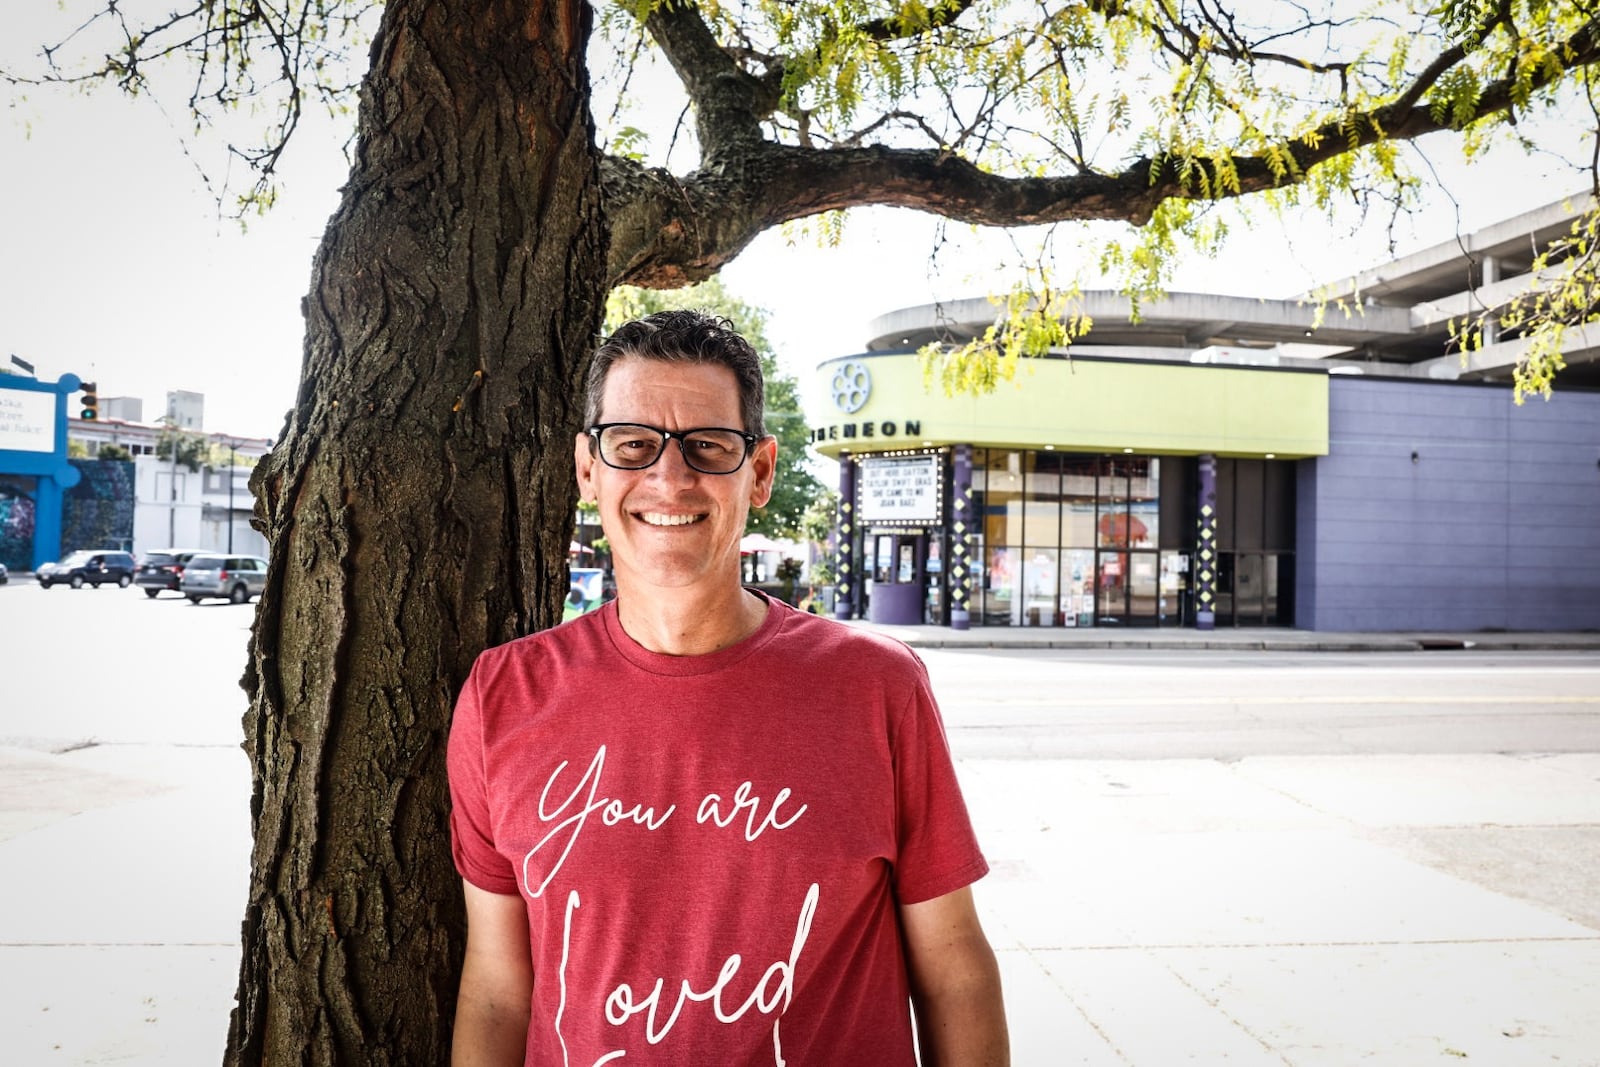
{"points": [[1230, 462]]}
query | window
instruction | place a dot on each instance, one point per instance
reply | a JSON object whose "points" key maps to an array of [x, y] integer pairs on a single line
{"points": [[1078, 476], [1001, 484]]}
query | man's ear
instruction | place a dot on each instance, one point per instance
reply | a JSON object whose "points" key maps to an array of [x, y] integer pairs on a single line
{"points": [[764, 461], [584, 461]]}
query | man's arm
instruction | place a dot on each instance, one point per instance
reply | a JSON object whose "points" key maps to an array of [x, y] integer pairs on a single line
{"points": [[955, 984], [492, 1007]]}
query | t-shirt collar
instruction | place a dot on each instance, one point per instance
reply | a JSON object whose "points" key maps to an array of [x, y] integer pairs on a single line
{"points": [[682, 666]]}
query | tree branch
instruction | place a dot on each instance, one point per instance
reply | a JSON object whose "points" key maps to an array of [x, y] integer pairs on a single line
{"points": [[898, 27], [669, 232], [729, 102], [1227, 44]]}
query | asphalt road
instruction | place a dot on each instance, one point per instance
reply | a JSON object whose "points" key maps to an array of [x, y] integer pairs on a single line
{"points": [[1062, 704], [112, 666]]}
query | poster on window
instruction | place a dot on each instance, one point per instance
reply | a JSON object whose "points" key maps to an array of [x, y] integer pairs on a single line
{"points": [[899, 489]]}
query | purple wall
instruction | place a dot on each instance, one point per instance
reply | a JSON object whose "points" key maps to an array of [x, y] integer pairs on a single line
{"points": [[1494, 526]]}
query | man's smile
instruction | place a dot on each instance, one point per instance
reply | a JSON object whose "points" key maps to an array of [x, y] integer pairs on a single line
{"points": [[659, 518]]}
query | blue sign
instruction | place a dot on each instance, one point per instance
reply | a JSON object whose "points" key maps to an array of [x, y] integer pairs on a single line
{"points": [[34, 469]]}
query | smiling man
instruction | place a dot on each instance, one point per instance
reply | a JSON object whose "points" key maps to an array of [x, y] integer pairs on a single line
{"points": [[698, 826]]}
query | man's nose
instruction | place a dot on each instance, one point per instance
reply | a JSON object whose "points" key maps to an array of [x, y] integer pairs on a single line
{"points": [[672, 466]]}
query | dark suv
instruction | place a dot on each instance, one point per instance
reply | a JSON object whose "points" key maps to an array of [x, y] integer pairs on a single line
{"points": [[162, 568], [92, 567]]}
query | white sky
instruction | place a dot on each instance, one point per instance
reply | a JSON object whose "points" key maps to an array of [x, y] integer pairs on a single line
{"points": [[116, 265]]}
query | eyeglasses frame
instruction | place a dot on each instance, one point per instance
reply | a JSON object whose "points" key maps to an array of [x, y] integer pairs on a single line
{"points": [[594, 432]]}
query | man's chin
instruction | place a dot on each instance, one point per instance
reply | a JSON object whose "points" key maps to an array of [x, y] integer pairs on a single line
{"points": [[671, 571]]}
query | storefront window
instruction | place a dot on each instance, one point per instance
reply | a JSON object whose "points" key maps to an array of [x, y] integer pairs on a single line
{"points": [[1173, 607], [1057, 539], [1129, 495], [1144, 495], [1143, 591], [1077, 587], [1255, 532], [1111, 592], [1040, 584], [1002, 487], [998, 584], [884, 571], [1078, 475], [1042, 521]]}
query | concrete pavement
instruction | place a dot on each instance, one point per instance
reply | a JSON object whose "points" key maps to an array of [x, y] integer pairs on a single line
{"points": [[1260, 639], [1313, 911], [1305, 910], [123, 871]]}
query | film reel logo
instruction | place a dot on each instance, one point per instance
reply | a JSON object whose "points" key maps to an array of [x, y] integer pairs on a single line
{"points": [[852, 385]]}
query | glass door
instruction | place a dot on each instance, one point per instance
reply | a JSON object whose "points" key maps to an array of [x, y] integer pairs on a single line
{"points": [[1077, 587], [1249, 590], [1143, 588], [1111, 589]]}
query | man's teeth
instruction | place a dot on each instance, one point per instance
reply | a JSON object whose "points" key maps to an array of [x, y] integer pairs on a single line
{"points": [[655, 518]]}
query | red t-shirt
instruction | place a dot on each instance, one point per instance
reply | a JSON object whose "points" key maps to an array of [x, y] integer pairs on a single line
{"points": [[711, 848]]}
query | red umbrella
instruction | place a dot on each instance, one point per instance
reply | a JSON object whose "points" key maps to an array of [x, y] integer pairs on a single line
{"points": [[1121, 530]]}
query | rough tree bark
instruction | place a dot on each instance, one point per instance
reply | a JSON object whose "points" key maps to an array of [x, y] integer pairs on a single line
{"points": [[418, 511]]}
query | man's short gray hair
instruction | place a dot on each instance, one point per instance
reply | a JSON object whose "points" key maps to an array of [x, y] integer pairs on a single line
{"points": [[682, 337]]}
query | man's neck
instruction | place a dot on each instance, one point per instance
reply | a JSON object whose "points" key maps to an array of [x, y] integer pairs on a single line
{"points": [[688, 622]]}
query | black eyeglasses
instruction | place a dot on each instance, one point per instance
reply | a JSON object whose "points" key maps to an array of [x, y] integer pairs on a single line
{"points": [[633, 446]]}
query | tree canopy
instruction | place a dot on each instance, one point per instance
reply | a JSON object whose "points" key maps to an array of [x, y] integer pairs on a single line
{"points": [[192, 449], [419, 501], [1147, 112]]}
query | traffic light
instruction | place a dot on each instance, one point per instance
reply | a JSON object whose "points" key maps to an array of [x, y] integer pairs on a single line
{"points": [[91, 402]]}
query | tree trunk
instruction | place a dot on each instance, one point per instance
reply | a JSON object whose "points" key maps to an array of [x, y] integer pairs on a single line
{"points": [[418, 507]]}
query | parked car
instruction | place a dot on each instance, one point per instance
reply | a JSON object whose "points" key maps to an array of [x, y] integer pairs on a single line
{"points": [[5, 576], [94, 567], [237, 578], [161, 569]]}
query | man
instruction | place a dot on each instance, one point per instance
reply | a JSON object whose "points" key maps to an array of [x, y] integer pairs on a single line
{"points": [[697, 826]]}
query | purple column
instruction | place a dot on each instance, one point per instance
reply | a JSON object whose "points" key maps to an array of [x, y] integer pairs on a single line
{"points": [[961, 522], [845, 527], [1205, 570]]}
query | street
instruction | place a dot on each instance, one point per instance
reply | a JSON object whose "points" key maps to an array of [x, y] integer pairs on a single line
{"points": [[111, 666], [1215, 856], [1146, 704]]}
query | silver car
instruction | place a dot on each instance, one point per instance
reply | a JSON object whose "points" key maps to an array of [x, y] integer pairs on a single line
{"points": [[238, 578]]}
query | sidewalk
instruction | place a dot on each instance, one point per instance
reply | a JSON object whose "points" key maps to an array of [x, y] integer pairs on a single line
{"points": [[123, 871], [1308, 911], [1257, 639]]}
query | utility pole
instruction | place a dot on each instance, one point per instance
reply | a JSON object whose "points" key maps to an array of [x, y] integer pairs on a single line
{"points": [[172, 488], [231, 462]]}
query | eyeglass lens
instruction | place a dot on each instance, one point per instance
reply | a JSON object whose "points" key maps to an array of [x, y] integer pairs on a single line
{"points": [[633, 447]]}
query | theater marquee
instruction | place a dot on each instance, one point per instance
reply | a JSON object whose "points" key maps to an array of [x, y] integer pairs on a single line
{"points": [[902, 489]]}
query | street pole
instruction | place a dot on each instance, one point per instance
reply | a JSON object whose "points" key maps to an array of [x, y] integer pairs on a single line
{"points": [[231, 461], [172, 487]]}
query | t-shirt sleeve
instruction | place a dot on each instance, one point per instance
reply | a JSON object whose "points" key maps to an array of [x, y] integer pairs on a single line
{"points": [[471, 823], [937, 850]]}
